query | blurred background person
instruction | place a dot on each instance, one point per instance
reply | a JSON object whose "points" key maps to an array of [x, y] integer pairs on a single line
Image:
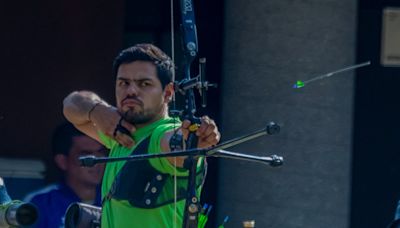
{"points": [[78, 184]]}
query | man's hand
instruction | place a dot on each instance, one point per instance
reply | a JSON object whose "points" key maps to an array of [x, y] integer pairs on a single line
{"points": [[109, 121], [208, 134]]}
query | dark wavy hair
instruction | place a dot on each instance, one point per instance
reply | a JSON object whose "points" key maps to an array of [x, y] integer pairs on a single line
{"points": [[147, 52]]}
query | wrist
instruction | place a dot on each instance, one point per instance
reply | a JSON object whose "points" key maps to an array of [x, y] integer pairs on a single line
{"points": [[94, 106]]}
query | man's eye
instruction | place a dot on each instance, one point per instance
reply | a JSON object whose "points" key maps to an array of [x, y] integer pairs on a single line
{"points": [[123, 83], [143, 84]]}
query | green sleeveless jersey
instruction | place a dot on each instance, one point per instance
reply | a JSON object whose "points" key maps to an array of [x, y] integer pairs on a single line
{"points": [[120, 213]]}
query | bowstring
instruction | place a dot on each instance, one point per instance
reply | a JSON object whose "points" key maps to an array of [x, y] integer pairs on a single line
{"points": [[174, 108]]}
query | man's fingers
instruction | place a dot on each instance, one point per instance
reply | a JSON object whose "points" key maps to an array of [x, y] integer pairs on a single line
{"points": [[185, 133], [128, 126], [122, 133], [207, 132], [124, 139], [121, 128], [210, 140], [206, 127], [185, 124], [184, 129]]}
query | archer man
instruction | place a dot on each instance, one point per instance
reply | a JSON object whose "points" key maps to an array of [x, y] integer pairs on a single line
{"points": [[140, 193]]}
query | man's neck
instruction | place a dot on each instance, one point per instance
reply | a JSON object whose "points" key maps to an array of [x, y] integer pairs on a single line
{"points": [[138, 126], [162, 115]]}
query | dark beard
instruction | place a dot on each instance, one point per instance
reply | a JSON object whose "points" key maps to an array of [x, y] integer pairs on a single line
{"points": [[144, 115], [138, 118]]}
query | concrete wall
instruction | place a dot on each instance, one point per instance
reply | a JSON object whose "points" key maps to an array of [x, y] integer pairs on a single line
{"points": [[268, 45]]}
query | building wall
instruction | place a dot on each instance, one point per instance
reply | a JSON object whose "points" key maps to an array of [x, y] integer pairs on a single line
{"points": [[268, 46], [49, 49]]}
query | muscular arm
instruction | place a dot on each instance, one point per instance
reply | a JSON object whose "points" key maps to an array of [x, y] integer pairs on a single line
{"points": [[89, 113], [77, 106]]}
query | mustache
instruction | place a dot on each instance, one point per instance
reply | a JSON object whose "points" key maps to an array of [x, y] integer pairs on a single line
{"points": [[135, 99]]}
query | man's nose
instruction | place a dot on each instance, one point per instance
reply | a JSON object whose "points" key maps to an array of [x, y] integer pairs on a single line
{"points": [[132, 89]]}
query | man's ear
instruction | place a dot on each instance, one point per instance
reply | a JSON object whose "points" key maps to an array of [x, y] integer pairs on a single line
{"points": [[61, 161], [168, 92]]}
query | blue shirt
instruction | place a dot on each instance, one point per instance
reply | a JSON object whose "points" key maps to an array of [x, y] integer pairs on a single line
{"points": [[52, 203]]}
